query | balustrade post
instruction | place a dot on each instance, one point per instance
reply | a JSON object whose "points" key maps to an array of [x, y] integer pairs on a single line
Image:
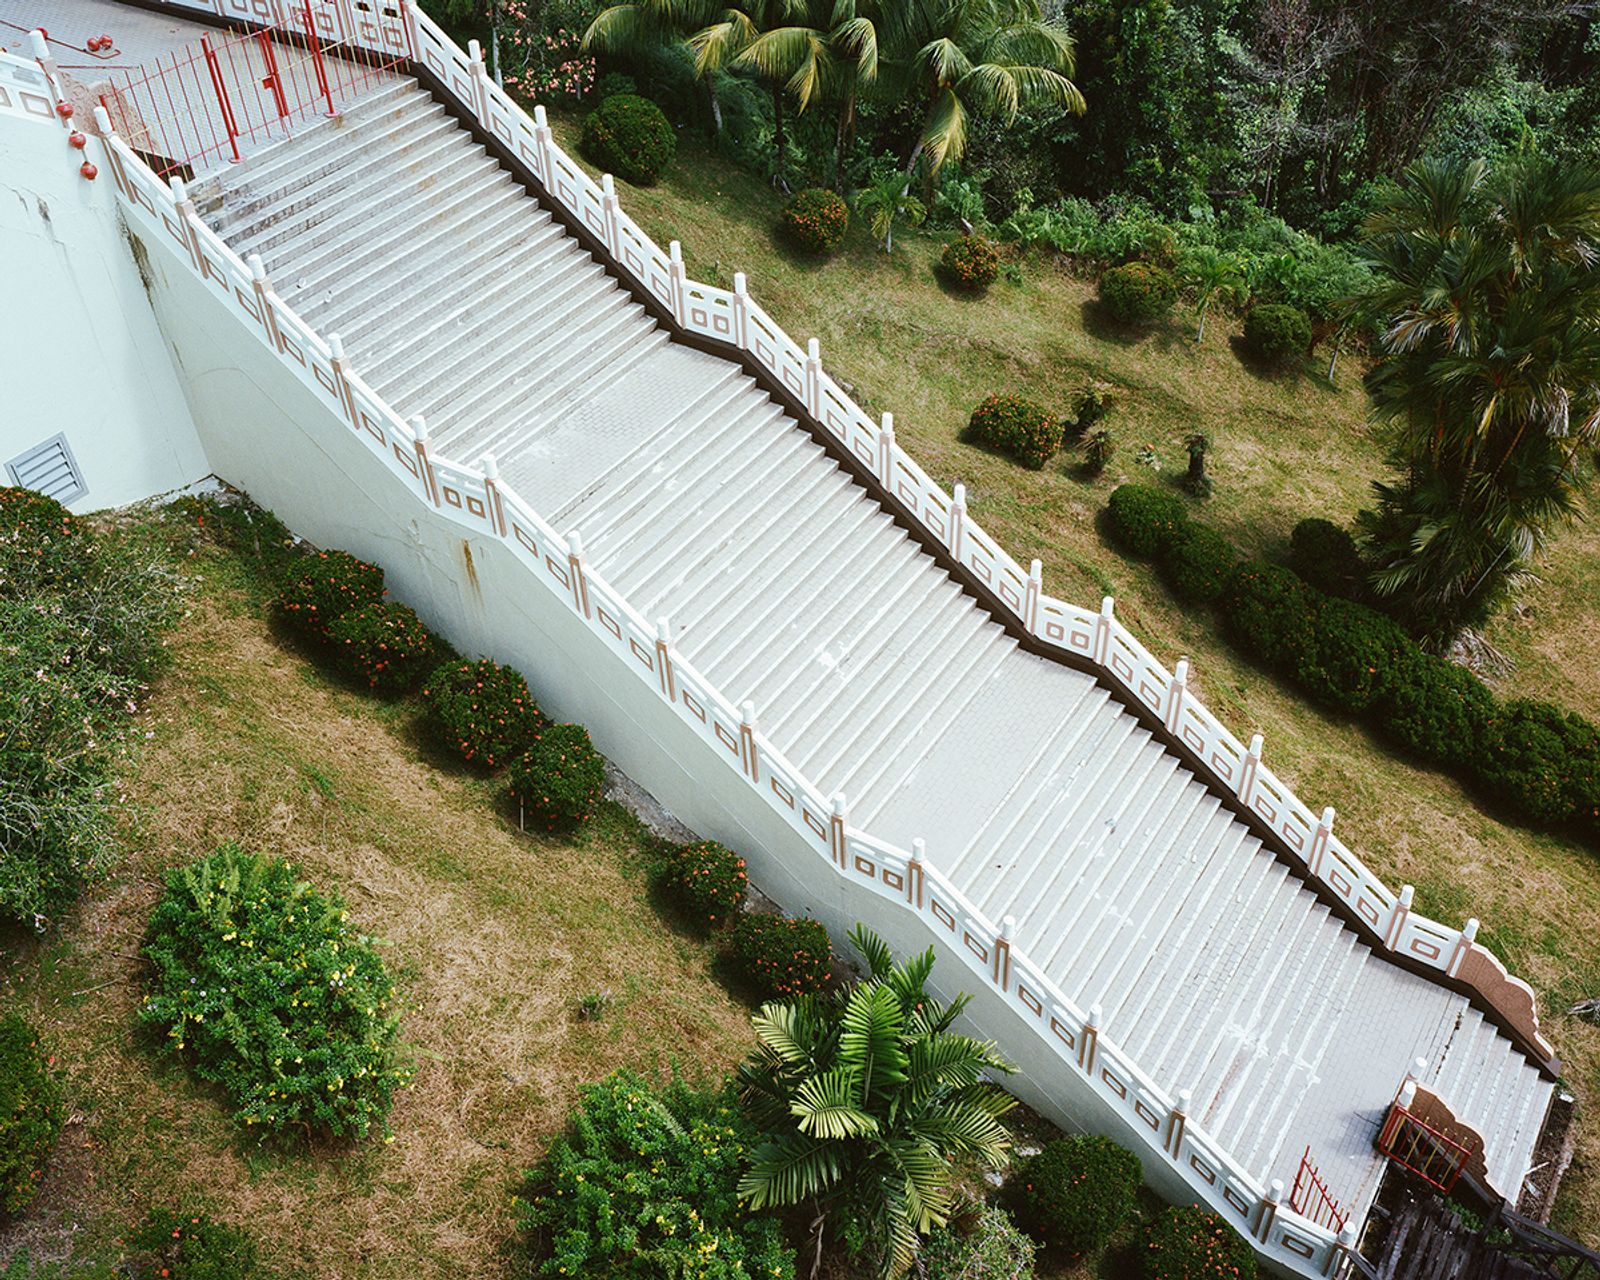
{"points": [[836, 825], [341, 382], [577, 572], [419, 434], [1398, 914], [664, 659], [916, 871], [1090, 1040], [608, 205], [1464, 945], [747, 740], [958, 515], [480, 81], [1102, 630], [265, 300], [1319, 842], [1269, 1210], [1247, 771], [1343, 1247], [1177, 1119], [39, 46], [186, 220], [886, 453], [1175, 693], [490, 466], [1031, 595], [675, 279], [547, 167], [814, 378], [741, 311], [102, 124], [1002, 953]]}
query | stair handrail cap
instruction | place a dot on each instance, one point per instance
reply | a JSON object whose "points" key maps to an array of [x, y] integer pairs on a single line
{"points": [[102, 121], [38, 43]]}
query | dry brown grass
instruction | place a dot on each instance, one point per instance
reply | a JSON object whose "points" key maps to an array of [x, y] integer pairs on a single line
{"points": [[493, 935], [1286, 446]]}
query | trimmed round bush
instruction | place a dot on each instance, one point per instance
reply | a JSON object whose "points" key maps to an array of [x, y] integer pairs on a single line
{"points": [[1185, 1242], [629, 136], [613, 83], [781, 957], [970, 262], [1077, 1192], [383, 645], [265, 989], [41, 542], [1356, 656], [483, 710], [815, 220], [322, 587], [559, 778], [1326, 557], [1540, 761], [1144, 520], [191, 1246], [1436, 709], [1028, 432], [1198, 563], [30, 1114], [1271, 615], [1277, 333], [985, 1246], [706, 880], [1138, 293]]}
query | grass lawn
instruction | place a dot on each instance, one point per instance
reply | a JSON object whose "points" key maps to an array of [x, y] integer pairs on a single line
{"points": [[493, 936], [1285, 447]]}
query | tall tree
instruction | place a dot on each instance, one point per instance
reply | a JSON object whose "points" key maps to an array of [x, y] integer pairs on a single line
{"points": [[1487, 385]]}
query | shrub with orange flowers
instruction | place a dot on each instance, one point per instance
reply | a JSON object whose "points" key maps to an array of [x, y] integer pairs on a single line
{"points": [[970, 262], [779, 957], [815, 220], [1186, 1242], [1076, 1193], [322, 587], [706, 880], [558, 780], [180, 1244], [30, 1113], [41, 542], [383, 645], [483, 711]]}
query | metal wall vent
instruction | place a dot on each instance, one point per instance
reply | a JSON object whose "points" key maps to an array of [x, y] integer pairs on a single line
{"points": [[51, 469]]}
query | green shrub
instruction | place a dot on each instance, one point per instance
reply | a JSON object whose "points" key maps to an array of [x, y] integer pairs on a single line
{"points": [[1436, 709], [383, 645], [1277, 333], [1198, 563], [1144, 520], [779, 957], [1026, 431], [986, 1246], [559, 778], [1355, 658], [815, 220], [613, 83], [30, 1114], [1187, 1243], [189, 1245], [1326, 557], [41, 542], [970, 262], [262, 986], [706, 880], [629, 136], [1138, 293], [1271, 615], [238, 526], [1098, 446], [1093, 403], [1540, 762], [483, 711], [1077, 1192], [322, 587], [644, 1185]]}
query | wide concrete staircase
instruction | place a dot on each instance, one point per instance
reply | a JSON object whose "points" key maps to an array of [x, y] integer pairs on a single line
{"points": [[459, 299]]}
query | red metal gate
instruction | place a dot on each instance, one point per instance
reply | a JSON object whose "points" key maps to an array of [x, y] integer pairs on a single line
{"points": [[1414, 1144], [211, 101], [1311, 1198]]}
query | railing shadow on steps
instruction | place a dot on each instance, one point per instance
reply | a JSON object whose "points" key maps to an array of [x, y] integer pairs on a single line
{"points": [[476, 499]]}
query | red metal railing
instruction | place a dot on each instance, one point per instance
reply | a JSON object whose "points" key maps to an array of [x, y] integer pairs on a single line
{"points": [[1412, 1143], [208, 102], [1311, 1198]]}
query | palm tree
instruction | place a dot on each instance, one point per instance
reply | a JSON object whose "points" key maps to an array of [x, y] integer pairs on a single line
{"points": [[887, 201], [864, 1100], [1212, 275], [1487, 388], [638, 27], [990, 56]]}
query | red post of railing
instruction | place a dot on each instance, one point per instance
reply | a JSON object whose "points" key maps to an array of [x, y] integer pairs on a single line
{"points": [[316, 58], [273, 81], [223, 104]]}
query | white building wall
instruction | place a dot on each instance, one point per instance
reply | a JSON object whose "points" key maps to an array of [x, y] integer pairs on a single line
{"points": [[80, 350]]}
